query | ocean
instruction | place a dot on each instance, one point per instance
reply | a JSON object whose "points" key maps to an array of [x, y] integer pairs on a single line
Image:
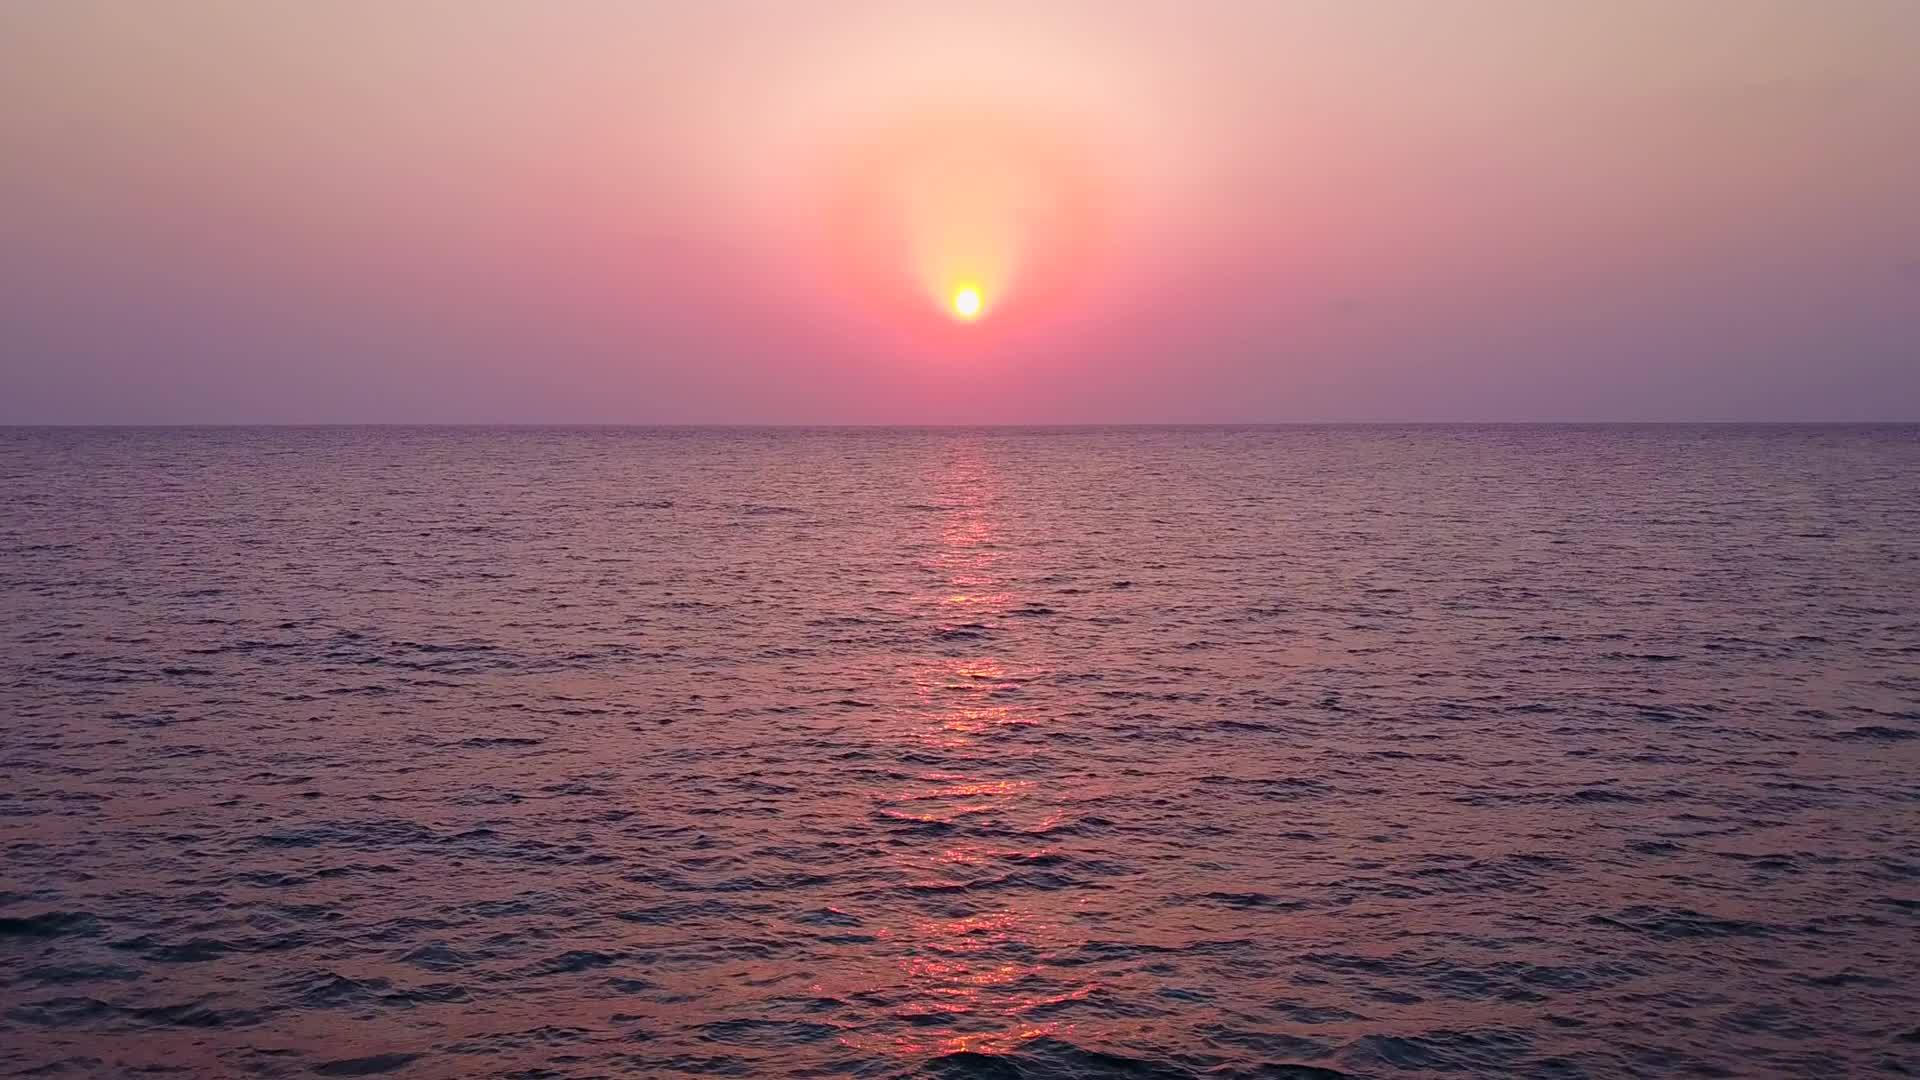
{"points": [[1082, 752]]}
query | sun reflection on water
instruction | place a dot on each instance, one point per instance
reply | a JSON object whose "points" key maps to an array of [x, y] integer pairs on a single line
{"points": [[969, 973]]}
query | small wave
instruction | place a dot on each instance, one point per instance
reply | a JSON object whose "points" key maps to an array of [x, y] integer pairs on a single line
{"points": [[1474, 1052], [1037, 879], [1049, 1058], [371, 1065], [762, 1032], [1680, 923], [1877, 733], [573, 962], [70, 974], [92, 1013], [436, 956], [1252, 900], [328, 989], [49, 924], [1601, 795]]}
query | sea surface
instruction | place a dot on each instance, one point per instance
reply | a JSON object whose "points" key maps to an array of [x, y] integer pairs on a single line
{"points": [[1150, 752]]}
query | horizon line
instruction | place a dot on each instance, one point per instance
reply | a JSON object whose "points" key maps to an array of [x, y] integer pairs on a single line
{"points": [[807, 425]]}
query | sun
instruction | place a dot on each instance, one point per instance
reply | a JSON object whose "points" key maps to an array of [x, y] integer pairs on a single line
{"points": [[966, 303]]}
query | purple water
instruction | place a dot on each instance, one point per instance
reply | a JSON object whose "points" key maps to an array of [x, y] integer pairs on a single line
{"points": [[1001, 753]]}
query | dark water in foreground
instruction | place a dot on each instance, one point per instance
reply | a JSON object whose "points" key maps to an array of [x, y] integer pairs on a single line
{"points": [[1143, 753]]}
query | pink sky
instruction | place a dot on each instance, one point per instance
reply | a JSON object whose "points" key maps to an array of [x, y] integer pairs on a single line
{"points": [[477, 210]]}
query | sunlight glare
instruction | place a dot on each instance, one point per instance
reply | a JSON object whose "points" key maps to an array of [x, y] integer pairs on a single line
{"points": [[966, 303]]}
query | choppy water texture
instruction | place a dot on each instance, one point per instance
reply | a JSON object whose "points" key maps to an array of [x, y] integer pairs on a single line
{"points": [[1150, 753]]}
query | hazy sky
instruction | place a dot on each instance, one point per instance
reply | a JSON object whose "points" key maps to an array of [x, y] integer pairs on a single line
{"points": [[732, 211]]}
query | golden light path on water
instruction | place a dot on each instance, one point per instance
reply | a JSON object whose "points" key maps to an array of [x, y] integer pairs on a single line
{"points": [[973, 956]]}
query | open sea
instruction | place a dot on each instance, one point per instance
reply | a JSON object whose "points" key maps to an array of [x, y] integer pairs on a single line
{"points": [[1136, 752]]}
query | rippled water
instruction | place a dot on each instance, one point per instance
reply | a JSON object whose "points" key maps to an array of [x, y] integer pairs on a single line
{"points": [[1145, 753]]}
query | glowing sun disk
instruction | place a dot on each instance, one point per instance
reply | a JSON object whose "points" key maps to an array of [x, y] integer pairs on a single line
{"points": [[966, 303]]}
